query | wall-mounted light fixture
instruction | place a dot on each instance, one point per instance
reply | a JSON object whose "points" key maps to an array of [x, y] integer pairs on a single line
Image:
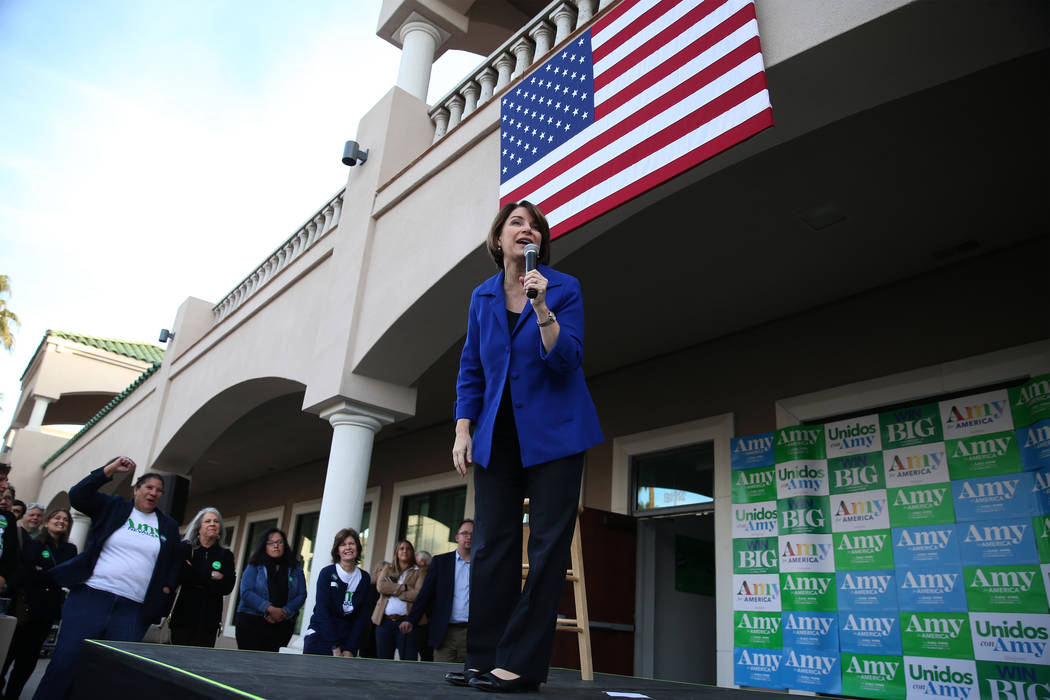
{"points": [[352, 154], [165, 335]]}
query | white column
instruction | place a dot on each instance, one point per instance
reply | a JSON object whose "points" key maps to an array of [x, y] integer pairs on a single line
{"points": [[543, 35], [440, 117], [487, 79], [78, 531], [353, 433], [562, 16], [586, 11], [522, 50], [419, 41], [504, 65], [36, 419], [470, 92], [454, 105]]}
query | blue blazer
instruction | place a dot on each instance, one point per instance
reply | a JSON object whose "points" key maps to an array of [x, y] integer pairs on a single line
{"points": [[107, 513], [255, 591], [435, 598], [332, 627], [553, 410]]}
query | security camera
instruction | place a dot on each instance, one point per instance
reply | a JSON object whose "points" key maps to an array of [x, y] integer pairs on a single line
{"points": [[352, 154]]}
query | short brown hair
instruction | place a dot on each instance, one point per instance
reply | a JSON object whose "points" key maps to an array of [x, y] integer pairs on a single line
{"points": [[492, 242], [340, 537]]}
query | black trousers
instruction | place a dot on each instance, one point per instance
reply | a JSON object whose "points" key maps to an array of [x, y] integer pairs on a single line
{"points": [[256, 634], [198, 636], [513, 627], [24, 653]]}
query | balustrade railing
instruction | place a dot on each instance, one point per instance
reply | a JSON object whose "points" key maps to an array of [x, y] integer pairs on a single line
{"points": [[326, 218], [519, 53]]}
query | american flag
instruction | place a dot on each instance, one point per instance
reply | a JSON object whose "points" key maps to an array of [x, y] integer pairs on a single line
{"points": [[651, 89]]}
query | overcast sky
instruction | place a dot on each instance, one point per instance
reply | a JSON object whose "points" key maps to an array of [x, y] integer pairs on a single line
{"points": [[151, 151]]}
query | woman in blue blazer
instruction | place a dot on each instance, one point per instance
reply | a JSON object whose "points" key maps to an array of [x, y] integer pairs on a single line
{"points": [[273, 589], [341, 615], [524, 418]]}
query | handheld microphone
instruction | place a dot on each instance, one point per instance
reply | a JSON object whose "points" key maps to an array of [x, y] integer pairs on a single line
{"points": [[532, 254]]}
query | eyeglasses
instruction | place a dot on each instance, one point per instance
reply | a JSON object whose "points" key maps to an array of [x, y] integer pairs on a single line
{"points": [[465, 533], [275, 543]]}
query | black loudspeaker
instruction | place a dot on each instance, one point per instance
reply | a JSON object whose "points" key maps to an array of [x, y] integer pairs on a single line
{"points": [[176, 492]]}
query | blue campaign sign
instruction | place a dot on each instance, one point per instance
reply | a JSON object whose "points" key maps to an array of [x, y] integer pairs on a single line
{"points": [[933, 589], [817, 671], [927, 545], [995, 497], [757, 667], [1041, 490], [814, 631], [751, 451], [870, 633], [1007, 541], [1034, 443], [867, 591]]}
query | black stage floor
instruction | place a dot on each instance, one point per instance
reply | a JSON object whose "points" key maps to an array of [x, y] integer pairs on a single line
{"points": [[152, 672]]}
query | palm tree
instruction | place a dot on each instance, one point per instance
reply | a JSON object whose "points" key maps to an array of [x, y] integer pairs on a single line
{"points": [[7, 317]]}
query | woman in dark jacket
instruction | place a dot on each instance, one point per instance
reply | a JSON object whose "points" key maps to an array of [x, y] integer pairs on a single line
{"points": [[273, 590], [43, 597], [341, 613], [207, 576]]}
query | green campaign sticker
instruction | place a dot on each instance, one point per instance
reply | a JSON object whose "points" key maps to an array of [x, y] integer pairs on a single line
{"points": [[921, 504], [754, 485], [983, 455], [808, 592], [758, 630], [866, 549], [872, 676], [1015, 589], [218, 565], [1030, 402], [799, 442], [941, 634], [46, 554], [916, 425]]}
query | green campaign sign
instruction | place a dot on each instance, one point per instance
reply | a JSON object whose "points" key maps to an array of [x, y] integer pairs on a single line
{"points": [[799, 442], [755, 556], [855, 473], [760, 630], [804, 515], [1030, 402], [916, 425], [983, 455], [1015, 589], [871, 676], [1001, 680], [921, 504], [754, 485], [940, 634], [808, 592], [1041, 528], [865, 549]]}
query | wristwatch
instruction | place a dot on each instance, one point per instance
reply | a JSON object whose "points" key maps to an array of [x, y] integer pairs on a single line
{"points": [[551, 318]]}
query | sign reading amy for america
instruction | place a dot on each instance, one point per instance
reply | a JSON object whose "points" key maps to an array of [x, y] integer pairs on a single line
{"points": [[919, 464], [1034, 444], [865, 591], [815, 671], [757, 667], [979, 414], [649, 91], [864, 510], [756, 592], [870, 633], [814, 631], [1030, 402], [751, 451], [995, 497], [1007, 541], [934, 589], [925, 546]]}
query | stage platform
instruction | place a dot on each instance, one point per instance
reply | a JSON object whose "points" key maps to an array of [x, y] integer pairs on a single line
{"points": [[155, 671]]}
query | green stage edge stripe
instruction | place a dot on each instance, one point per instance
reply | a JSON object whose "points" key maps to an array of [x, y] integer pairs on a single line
{"points": [[183, 671]]}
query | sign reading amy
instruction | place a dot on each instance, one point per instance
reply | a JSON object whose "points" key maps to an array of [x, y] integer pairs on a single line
{"points": [[754, 485], [935, 589], [995, 497], [751, 451], [919, 464], [814, 631], [925, 546], [806, 553], [804, 442], [808, 591], [1030, 402], [872, 676], [757, 667], [925, 504], [979, 414], [755, 519], [866, 591], [934, 677], [856, 473], [867, 549], [853, 436], [1017, 589], [1011, 637], [1007, 541], [756, 592], [916, 425], [804, 477], [757, 630], [870, 633], [863, 510], [1034, 443], [983, 455], [811, 670], [942, 634]]}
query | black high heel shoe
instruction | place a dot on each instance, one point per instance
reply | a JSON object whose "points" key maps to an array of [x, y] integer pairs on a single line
{"points": [[494, 684], [462, 678]]}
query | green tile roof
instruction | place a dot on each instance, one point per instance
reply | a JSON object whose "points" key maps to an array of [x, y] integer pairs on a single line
{"points": [[105, 409], [139, 351]]}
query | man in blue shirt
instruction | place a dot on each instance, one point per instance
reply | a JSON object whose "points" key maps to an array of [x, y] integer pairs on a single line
{"points": [[445, 598]]}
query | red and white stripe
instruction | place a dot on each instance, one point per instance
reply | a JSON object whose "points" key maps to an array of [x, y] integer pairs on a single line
{"points": [[674, 84]]}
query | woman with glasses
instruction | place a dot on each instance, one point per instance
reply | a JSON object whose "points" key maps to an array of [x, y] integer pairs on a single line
{"points": [[43, 597], [273, 589], [207, 576]]}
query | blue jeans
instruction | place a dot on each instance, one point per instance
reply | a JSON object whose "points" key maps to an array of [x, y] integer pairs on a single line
{"points": [[88, 614], [389, 637]]}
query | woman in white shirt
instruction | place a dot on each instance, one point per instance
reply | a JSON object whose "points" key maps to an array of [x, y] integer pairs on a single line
{"points": [[398, 585], [339, 618]]}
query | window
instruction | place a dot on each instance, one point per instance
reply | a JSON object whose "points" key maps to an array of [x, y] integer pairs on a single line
{"points": [[672, 481], [304, 545], [429, 520]]}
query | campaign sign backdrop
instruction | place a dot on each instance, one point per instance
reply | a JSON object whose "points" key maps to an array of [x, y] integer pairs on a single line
{"points": [[901, 554]]}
